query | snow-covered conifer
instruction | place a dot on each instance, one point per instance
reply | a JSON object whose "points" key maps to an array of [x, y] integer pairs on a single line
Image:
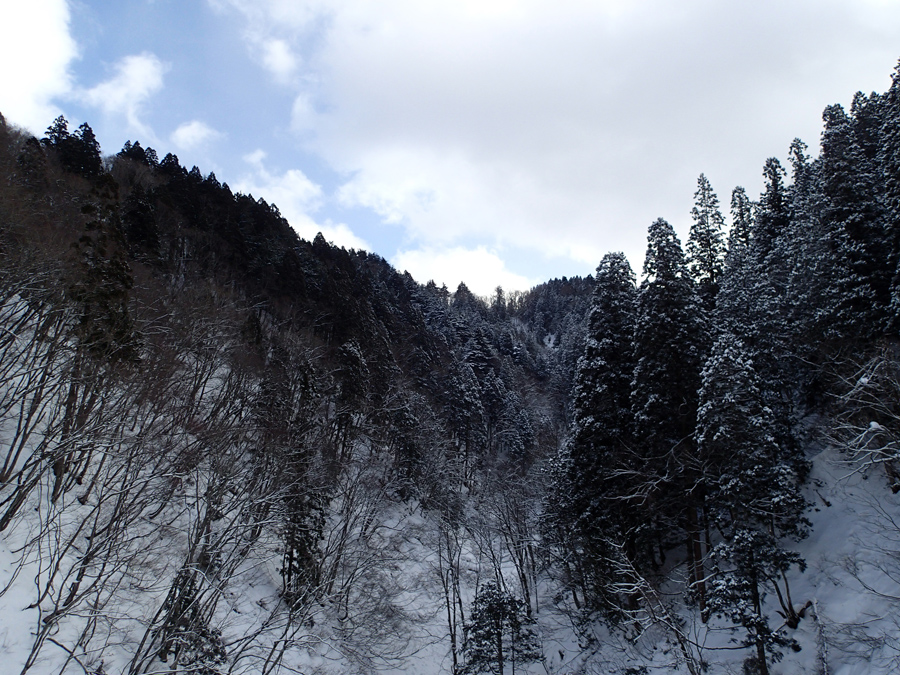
{"points": [[706, 243], [754, 499], [669, 337]]}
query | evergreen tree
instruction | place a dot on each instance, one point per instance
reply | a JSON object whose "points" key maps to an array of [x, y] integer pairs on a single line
{"points": [[805, 263], [735, 301], [498, 304], [772, 216], [867, 113], [466, 414], [603, 381], [667, 346], [888, 158], [57, 133], [801, 176], [78, 152], [601, 452], [499, 632], [85, 152], [853, 224], [756, 287], [753, 492], [139, 224], [706, 246], [302, 526], [668, 351], [285, 415], [741, 220]]}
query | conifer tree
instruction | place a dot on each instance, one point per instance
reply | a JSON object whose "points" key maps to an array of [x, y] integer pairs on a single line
{"points": [[867, 113], [740, 235], [735, 301], [888, 158], [602, 453], [772, 215], [754, 499], [466, 414], [57, 133], [85, 152], [602, 386], [668, 351], [499, 632], [667, 346], [78, 152], [853, 222], [753, 300], [706, 246], [804, 263]]}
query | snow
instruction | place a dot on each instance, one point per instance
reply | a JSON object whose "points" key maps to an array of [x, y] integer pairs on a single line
{"points": [[16, 620], [851, 625]]}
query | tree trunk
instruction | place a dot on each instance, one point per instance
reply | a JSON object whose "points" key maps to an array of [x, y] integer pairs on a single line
{"points": [[695, 558]]}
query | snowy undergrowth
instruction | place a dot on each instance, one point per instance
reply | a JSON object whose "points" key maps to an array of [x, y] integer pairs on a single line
{"points": [[848, 596]]}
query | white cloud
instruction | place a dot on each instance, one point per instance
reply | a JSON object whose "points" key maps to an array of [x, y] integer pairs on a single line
{"points": [[297, 197], [482, 270], [292, 189], [451, 196], [270, 27], [35, 50], [279, 58], [303, 115], [194, 134], [276, 15], [135, 80]]}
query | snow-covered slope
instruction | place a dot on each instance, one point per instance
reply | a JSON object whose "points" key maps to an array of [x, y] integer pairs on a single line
{"points": [[394, 618]]}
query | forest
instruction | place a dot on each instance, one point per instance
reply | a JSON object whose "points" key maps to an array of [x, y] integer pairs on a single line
{"points": [[228, 450]]}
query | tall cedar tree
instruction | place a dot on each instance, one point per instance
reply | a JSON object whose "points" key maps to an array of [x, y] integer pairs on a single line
{"points": [[755, 305], [77, 152], [734, 303], [749, 306], [668, 350], [854, 224], [602, 458], [706, 243], [807, 259], [741, 219], [888, 157], [773, 215]]}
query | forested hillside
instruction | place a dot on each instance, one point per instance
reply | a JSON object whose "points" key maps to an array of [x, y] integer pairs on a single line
{"points": [[229, 450]]}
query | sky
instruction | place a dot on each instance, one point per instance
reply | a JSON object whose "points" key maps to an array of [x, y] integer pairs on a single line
{"points": [[499, 142]]}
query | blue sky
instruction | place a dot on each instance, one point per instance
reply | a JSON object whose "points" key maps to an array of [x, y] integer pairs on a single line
{"points": [[496, 141]]}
